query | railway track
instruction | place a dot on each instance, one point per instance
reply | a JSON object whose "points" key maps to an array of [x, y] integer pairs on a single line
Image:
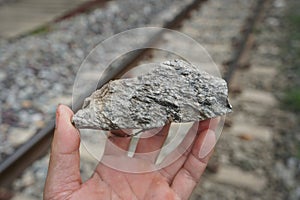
{"points": [[21, 18], [39, 144]]}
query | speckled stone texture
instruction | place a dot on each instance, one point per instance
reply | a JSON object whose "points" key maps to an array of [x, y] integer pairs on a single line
{"points": [[174, 91]]}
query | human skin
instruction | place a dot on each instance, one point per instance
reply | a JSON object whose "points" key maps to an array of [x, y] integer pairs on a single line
{"points": [[175, 181]]}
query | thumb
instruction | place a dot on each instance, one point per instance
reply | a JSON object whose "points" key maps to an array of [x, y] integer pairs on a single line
{"points": [[64, 166]]}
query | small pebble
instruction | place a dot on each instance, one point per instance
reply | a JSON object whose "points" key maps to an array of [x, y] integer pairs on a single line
{"points": [[246, 137], [27, 104]]}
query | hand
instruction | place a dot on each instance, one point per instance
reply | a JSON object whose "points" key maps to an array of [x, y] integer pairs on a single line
{"points": [[175, 181]]}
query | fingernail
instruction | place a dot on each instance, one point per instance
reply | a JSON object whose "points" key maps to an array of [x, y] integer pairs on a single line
{"points": [[207, 144]]}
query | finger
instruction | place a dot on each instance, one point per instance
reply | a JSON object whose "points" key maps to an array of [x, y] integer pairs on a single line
{"points": [[182, 151], [64, 170], [151, 142], [189, 175], [175, 160]]}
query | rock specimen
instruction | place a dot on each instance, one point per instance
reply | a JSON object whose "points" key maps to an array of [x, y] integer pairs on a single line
{"points": [[174, 91]]}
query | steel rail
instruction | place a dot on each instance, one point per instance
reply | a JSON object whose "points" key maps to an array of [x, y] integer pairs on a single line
{"points": [[240, 50], [38, 145]]}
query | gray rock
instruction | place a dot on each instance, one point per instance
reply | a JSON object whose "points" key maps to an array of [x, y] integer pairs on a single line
{"points": [[174, 91]]}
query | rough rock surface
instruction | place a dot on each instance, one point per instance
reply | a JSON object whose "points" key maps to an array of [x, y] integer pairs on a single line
{"points": [[175, 91]]}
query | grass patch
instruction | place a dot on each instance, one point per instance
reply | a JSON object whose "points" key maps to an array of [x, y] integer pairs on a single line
{"points": [[292, 24], [40, 30], [298, 151], [292, 99], [293, 21], [291, 52], [294, 16]]}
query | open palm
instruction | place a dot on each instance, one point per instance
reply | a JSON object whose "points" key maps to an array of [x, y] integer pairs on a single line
{"points": [[174, 181]]}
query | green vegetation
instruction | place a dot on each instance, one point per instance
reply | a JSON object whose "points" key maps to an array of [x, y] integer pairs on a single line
{"points": [[292, 99], [298, 153], [291, 68], [40, 30], [291, 52], [293, 21]]}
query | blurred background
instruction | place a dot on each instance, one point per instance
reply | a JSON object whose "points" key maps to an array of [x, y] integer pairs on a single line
{"points": [[255, 44]]}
